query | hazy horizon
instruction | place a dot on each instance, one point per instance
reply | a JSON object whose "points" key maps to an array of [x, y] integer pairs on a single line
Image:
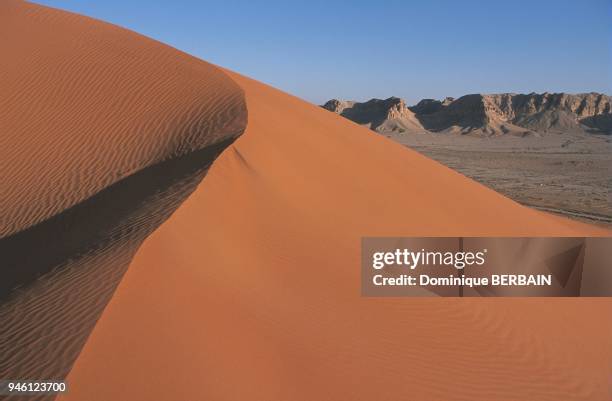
{"points": [[359, 50]]}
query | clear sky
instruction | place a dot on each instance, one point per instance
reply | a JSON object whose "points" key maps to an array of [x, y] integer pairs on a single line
{"points": [[362, 49]]}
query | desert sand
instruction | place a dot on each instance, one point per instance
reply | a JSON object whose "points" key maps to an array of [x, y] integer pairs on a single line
{"points": [[250, 288], [103, 133], [266, 306], [93, 106]]}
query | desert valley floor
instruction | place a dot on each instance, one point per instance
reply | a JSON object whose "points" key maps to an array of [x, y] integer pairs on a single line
{"points": [[564, 174]]}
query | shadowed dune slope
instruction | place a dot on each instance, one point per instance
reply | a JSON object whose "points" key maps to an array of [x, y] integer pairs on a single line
{"points": [[84, 104], [103, 134], [250, 291]]}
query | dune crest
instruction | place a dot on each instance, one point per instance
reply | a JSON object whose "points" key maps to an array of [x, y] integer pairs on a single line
{"points": [[267, 306], [103, 134], [95, 104]]}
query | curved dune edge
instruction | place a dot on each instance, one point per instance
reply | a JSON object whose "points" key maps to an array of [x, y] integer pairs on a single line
{"points": [[103, 134], [74, 272], [251, 289], [85, 104]]}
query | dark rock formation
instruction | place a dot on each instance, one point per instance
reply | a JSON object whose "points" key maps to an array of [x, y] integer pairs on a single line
{"points": [[390, 114], [480, 114]]}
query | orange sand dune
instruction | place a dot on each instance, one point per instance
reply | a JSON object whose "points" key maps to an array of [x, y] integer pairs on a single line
{"points": [[250, 291], [84, 104], [103, 133]]}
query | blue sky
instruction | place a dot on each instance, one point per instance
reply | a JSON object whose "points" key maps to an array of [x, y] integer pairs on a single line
{"points": [[362, 49]]}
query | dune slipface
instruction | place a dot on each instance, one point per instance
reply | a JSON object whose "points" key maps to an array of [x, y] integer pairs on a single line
{"points": [[267, 306], [103, 133]]}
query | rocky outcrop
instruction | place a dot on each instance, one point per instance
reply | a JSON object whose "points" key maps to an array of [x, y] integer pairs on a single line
{"points": [[429, 106], [386, 115], [338, 106], [478, 114]]}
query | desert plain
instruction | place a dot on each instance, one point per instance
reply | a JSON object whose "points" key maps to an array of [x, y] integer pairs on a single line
{"points": [[565, 174]]}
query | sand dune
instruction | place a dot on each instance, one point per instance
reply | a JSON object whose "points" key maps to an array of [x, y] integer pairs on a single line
{"points": [[98, 103], [266, 305], [250, 289], [103, 133]]}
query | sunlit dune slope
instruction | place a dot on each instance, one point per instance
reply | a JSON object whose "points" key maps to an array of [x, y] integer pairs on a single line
{"points": [[250, 291], [103, 133], [84, 104]]}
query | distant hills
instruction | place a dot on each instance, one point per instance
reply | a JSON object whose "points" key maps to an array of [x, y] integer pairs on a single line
{"points": [[485, 115]]}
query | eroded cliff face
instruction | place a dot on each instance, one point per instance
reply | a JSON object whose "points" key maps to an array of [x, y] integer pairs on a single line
{"points": [[337, 106], [390, 114], [516, 105], [493, 114]]}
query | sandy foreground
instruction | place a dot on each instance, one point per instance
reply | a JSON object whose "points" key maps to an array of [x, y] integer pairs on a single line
{"points": [[249, 288], [266, 306], [103, 133]]}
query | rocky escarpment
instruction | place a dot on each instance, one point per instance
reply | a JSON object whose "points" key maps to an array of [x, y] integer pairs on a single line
{"points": [[478, 114], [390, 114], [428, 106]]}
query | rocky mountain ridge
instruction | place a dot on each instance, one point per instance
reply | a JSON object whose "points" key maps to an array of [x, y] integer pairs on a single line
{"points": [[485, 114]]}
